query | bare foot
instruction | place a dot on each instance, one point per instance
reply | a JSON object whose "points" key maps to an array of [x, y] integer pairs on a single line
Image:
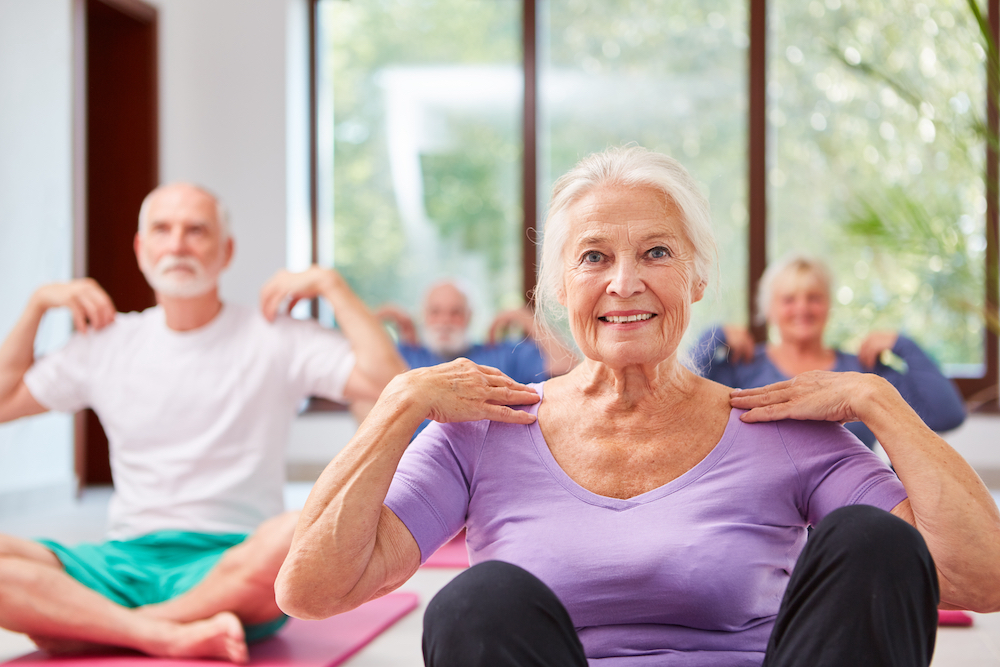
{"points": [[220, 636]]}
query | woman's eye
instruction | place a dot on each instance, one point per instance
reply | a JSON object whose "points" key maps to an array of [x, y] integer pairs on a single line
{"points": [[593, 257], [659, 252]]}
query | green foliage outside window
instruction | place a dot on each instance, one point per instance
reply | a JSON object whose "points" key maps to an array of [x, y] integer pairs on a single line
{"points": [[875, 143], [876, 165]]}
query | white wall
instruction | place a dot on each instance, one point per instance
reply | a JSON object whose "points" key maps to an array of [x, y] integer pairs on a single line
{"points": [[222, 121], [226, 68], [232, 113], [36, 224]]}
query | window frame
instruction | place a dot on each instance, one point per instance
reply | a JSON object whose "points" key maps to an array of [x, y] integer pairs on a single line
{"points": [[979, 390]]}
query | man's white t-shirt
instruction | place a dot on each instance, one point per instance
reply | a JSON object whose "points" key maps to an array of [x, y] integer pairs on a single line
{"points": [[197, 421]]}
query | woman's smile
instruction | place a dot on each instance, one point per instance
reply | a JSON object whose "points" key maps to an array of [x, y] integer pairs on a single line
{"points": [[628, 285], [626, 317]]}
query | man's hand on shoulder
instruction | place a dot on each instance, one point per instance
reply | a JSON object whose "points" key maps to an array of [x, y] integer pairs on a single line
{"points": [[401, 320], [89, 304], [518, 318], [285, 289]]}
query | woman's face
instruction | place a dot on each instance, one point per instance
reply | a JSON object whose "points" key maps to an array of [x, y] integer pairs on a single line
{"points": [[628, 282], [799, 308]]}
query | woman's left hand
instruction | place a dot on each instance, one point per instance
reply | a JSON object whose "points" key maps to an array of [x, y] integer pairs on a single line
{"points": [[814, 395]]}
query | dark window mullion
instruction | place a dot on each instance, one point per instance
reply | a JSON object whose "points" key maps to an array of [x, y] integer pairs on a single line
{"points": [[756, 157], [313, 144], [529, 156]]}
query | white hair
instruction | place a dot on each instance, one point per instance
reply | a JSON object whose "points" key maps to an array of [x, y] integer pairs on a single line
{"points": [[459, 284], [221, 213], [800, 264], [630, 167]]}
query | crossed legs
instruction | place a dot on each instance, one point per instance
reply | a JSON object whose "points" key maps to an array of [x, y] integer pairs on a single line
{"points": [[39, 599]]}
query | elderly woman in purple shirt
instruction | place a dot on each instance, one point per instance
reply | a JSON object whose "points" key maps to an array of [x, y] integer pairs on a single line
{"points": [[633, 513]]}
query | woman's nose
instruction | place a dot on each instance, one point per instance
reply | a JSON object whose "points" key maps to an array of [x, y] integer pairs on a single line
{"points": [[626, 280]]}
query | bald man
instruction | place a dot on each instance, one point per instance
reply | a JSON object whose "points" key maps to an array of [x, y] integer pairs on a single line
{"points": [[447, 314], [197, 397]]}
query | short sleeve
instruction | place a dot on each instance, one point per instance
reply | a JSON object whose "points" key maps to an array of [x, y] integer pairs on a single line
{"points": [[835, 469], [431, 488], [321, 358], [61, 380]]}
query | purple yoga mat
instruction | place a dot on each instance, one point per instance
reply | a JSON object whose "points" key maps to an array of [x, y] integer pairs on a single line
{"points": [[325, 643]]}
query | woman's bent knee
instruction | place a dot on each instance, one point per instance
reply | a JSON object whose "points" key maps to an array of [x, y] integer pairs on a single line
{"points": [[496, 613], [874, 540], [485, 592]]}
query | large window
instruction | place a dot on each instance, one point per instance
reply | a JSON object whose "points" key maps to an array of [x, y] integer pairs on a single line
{"points": [[668, 75], [420, 147], [871, 108], [867, 112]]}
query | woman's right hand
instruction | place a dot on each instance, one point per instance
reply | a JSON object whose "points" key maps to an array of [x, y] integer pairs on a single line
{"points": [[463, 391], [741, 344]]}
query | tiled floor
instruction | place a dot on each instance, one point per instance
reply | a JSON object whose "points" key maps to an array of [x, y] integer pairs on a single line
{"points": [[978, 646]]}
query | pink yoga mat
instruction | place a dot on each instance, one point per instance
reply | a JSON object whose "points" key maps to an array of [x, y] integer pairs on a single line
{"points": [[954, 617], [325, 643], [452, 554]]}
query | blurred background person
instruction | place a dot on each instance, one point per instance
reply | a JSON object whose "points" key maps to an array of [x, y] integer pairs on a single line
{"points": [[445, 336], [794, 299]]}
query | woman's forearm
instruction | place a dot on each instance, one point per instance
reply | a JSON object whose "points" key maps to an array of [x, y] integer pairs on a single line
{"points": [[347, 546], [330, 559], [951, 506]]}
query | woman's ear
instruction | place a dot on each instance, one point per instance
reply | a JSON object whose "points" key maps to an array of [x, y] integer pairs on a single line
{"points": [[698, 291], [561, 295]]}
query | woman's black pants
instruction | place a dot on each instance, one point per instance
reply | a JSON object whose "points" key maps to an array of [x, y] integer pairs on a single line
{"points": [[864, 593]]}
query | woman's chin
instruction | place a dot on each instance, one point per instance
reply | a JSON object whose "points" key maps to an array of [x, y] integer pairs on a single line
{"points": [[626, 355]]}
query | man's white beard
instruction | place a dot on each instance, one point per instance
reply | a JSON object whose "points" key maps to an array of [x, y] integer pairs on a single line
{"points": [[447, 342], [178, 284]]}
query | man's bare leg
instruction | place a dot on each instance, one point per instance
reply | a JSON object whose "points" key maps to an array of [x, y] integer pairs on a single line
{"points": [[39, 599], [16, 547], [241, 582]]}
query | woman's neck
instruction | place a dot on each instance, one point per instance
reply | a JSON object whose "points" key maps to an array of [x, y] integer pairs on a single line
{"points": [[632, 387]]}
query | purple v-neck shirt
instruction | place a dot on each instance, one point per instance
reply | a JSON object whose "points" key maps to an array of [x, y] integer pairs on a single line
{"points": [[690, 573]]}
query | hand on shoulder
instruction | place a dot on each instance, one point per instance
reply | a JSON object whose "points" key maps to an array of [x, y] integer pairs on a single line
{"points": [[400, 320], [874, 345], [89, 304], [741, 344], [519, 318], [461, 390], [285, 289], [813, 395]]}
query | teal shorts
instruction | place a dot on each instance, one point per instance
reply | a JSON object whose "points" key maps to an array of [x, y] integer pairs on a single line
{"points": [[152, 568]]}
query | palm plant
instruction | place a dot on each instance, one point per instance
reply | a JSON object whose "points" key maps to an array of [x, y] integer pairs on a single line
{"points": [[909, 225]]}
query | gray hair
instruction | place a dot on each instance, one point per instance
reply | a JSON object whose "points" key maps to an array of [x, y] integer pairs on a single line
{"points": [[221, 213], [631, 167], [794, 261], [460, 284]]}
